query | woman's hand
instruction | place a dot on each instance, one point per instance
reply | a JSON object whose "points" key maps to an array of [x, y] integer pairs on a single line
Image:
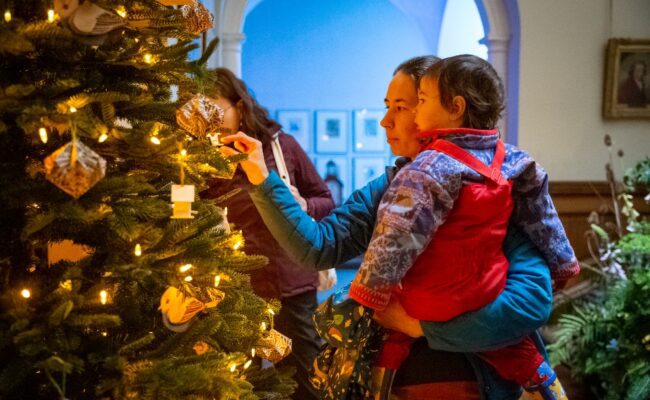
{"points": [[395, 317], [254, 167]]}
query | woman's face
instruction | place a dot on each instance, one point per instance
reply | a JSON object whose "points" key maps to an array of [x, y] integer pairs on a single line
{"points": [[231, 116], [399, 120]]}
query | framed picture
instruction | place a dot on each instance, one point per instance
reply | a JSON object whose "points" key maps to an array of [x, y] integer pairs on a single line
{"points": [[296, 123], [334, 171], [331, 131], [367, 169], [627, 79], [369, 135]]}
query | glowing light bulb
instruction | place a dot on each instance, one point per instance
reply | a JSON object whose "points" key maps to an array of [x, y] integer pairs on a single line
{"points": [[217, 280], [183, 153], [270, 311], [7, 16], [137, 40], [42, 132], [237, 245], [155, 140], [26, 293], [233, 367], [72, 109], [102, 138], [253, 352], [104, 333], [248, 364], [185, 268], [50, 16], [148, 58], [138, 250], [103, 297], [188, 278], [263, 326], [121, 11]]}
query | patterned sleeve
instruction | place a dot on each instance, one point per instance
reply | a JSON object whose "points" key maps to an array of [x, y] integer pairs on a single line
{"points": [[410, 212], [535, 214]]}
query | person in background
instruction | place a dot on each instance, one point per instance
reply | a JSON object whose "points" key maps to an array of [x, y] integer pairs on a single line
{"points": [[633, 90], [282, 278], [452, 371]]}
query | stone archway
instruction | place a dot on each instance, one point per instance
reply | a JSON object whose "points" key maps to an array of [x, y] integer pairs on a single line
{"points": [[500, 20]]}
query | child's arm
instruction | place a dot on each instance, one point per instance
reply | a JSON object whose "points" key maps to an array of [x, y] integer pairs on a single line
{"points": [[415, 205], [535, 214]]}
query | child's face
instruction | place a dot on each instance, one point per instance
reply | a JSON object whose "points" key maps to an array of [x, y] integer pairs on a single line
{"points": [[430, 113], [401, 99]]}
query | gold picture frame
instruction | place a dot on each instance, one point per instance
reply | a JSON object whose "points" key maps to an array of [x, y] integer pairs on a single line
{"points": [[627, 79]]}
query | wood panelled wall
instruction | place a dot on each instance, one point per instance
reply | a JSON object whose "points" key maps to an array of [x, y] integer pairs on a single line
{"points": [[574, 202]]}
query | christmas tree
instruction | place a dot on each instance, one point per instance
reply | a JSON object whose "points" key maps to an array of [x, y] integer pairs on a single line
{"points": [[107, 290]]}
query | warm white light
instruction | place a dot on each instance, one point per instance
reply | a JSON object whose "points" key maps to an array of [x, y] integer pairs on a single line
{"points": [[217, 280], [155, 140], [103, 297], [102, 138], [185, 268], [26, 293], [50, 16], [270, 311], [263, 326], [121, 11], [7, 16], [248, 364], [188, 278], [237, 245], [138, 250], [42, 132], [253, 352], [148, 58], [104, 333], [183, 153], [137, 40], [72, 109], [233, 366]]}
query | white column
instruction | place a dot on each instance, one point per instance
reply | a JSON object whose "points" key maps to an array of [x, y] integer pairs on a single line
{"points": [[231, 43]]}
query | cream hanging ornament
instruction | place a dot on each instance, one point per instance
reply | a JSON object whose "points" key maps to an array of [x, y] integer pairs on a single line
{"points": [[74, 168], [65, 8], [182, 199], [91, 19]]}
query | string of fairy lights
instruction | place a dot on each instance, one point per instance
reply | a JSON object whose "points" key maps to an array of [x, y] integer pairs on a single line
{"points": [[185, 270]]}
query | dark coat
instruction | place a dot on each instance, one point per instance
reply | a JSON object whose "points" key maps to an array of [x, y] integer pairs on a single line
{"points": [[282, 277], [631, 94]]}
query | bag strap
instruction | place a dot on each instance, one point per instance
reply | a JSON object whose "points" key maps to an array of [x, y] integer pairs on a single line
{"points": [[491, 172], [279, 159]]}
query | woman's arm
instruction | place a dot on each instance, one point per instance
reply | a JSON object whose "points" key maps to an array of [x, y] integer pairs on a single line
{"points": [[522, 307]]}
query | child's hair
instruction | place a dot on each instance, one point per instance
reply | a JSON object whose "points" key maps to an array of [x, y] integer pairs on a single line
{"points": [[416, 67], [477, 82]]}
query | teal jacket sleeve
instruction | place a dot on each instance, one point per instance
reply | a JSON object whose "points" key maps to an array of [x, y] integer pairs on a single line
{"points": [[342, 235], [522, 307]]}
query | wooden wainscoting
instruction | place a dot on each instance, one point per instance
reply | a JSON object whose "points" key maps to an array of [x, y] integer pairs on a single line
{"points": [[576, 200]]}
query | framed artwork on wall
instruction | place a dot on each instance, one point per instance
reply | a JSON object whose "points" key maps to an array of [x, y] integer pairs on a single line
{"points": [[334, 171], [296, 123], [331, 131], [369, 135], [367, 169], [627, 79]]}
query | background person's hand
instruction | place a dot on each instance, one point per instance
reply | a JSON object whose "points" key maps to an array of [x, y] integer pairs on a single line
{"points": [[395, 317], [254, 167]]}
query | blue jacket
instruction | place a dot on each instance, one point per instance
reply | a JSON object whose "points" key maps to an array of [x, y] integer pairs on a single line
{"points": [[520, 309]]}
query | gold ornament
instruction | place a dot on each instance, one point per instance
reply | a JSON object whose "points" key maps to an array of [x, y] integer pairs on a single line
{"points": [[175, 2], [74, 168], [91, 19], [200, 115], [197, 18], [273, 346], [201, 348], [178, 310]]}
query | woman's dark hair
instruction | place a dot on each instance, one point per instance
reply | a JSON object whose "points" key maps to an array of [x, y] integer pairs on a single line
{"points": [[255, 119], [477, 82], [416, 67]]}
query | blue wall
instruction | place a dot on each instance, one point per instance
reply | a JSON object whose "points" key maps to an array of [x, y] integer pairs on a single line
{"points": [[335, 54]]}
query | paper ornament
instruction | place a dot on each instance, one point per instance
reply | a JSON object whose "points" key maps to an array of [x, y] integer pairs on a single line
{"points": [[175, 2], [273, 346], [182, 198], [197, 18], [65, 8], [200, 115], [91, 19], [74, 168], [178, 310]]}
